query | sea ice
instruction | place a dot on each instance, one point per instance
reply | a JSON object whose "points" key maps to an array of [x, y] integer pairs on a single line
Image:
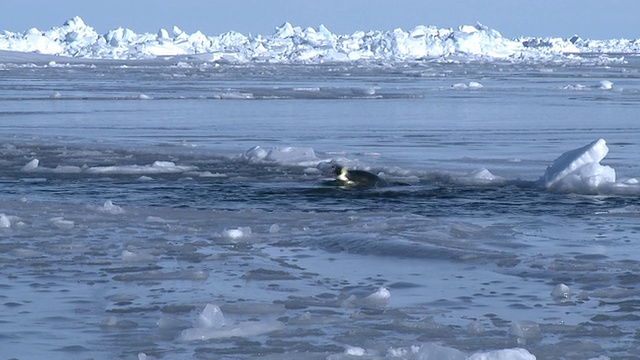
{"points": [[293, 44], [293, 156], [434, 351], [108, 208], [525, 331], [256, 153], [238, 233], [580, 169], [247, 329], [4, 221], [606, 85], [505, 354], [31, 165], [61, 223], [379, 298], [158, 167], [210, 317], [561, 292]]}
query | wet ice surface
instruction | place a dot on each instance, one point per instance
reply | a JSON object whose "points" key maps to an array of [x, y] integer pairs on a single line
{"points": [[151, 225]]}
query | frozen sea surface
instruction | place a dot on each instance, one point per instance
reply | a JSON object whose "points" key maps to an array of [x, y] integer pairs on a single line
{"points": [[160, 209]]}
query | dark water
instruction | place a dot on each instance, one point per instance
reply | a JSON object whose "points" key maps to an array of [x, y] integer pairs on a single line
{"points": [[147, 204]]}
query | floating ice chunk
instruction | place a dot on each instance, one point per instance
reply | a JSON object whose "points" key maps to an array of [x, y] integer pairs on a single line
{"points": [[525, 331], [67, 169], [561, 292], [109, 208], [158, 167], [31, 165], [248, 329], [580, 169], [61, 223], [505, 354], [5, 223], [475, 328], [56, 95], [606, 85], [379, 298], [274, 229], [402, 352], [473, 85], [239, 233], [236, 95], [144, 97], [136, 256], [482, 176], [293, 156], [210, 317], [256, 153], [364, 91], [113, 322], [355, 351], [434, 351], [209, 174], [170, 321]]}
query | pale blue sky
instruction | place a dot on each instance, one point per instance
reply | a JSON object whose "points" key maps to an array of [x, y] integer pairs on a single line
{"points": [[595, 19]]}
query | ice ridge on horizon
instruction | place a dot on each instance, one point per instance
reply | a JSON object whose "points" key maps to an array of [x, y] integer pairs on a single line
{"points": [[289, 44]]}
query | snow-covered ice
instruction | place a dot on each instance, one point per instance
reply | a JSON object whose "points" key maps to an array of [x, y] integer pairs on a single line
{"points": [[294, 44], [580, 169]]}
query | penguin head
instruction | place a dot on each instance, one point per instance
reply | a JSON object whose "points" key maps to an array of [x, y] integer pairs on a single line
{"points": [[339, 170]]}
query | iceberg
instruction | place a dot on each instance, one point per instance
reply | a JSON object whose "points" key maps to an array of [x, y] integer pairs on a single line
{"points": [[292, 44]]}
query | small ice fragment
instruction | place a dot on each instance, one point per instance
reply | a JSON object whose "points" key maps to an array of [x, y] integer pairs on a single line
{"points": [[5, 223], [355, 351], [111, 321], [144, 97], [61, 223], [606, 85], [561, 292], [170, 321], [525, 330], [31, 165], [256, 153], [238, 233], [435, 351], [475, 85], [128, 255], [142, 356], [475, 328], [504, 354], [379, 298], [110, 208], [56, 95], [274, 228], [211, 317], [365, 91]]}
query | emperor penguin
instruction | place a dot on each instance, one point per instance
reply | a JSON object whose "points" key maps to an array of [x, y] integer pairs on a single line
{"points": [[356, 177]]}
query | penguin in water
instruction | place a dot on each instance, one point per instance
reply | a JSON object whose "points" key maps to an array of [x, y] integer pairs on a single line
{"points": [[356, 177]]}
